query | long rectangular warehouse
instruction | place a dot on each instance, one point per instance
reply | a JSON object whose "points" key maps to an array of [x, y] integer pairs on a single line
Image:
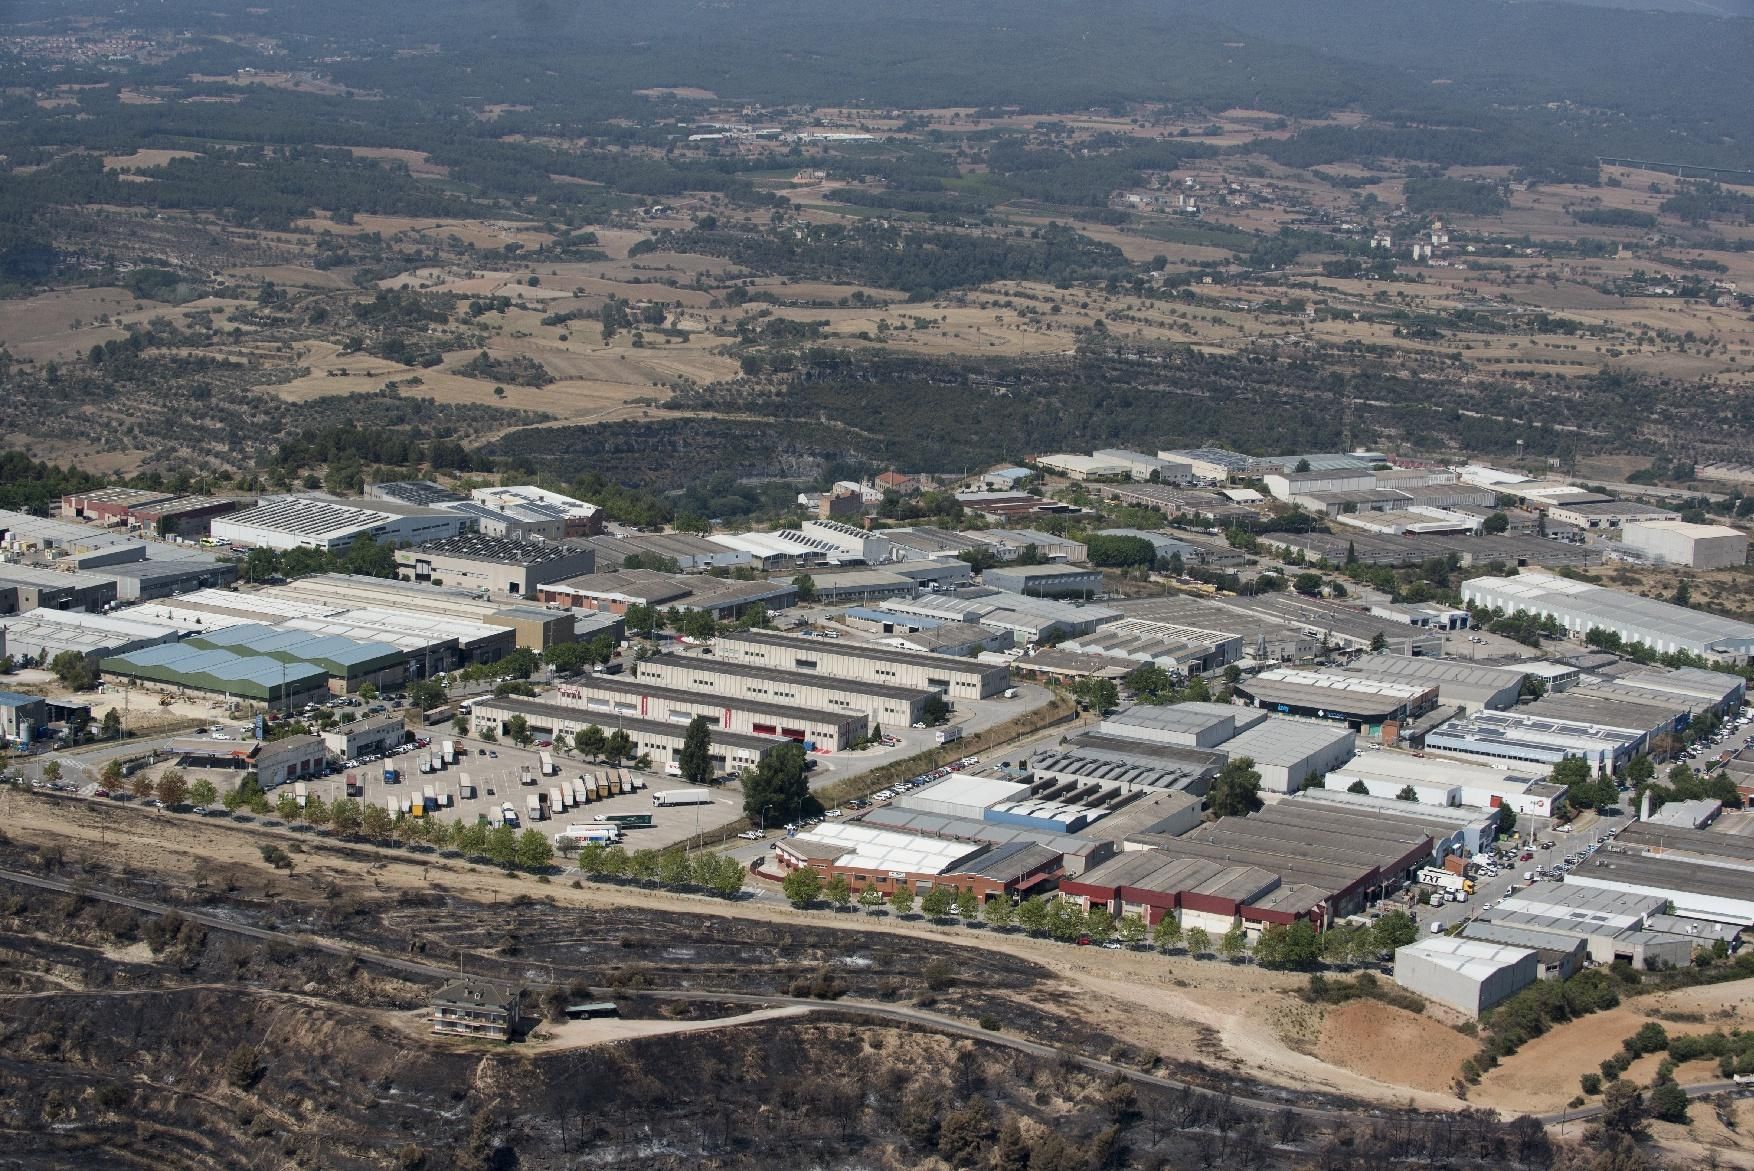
{"points": [[1581, 607], [957, 678], [829, 731], [883, 703], [730, 751]]}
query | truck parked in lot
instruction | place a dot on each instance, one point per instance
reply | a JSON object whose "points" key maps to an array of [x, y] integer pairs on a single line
{"points": [[948, 733], [627, 820], [508, 815], [465, 787], [449, 749], [390, 777], [593, 832], [430, 798], [533, 806], [672, 797], [559, 797], [580, 794], [546, 759], [1445, 880]]}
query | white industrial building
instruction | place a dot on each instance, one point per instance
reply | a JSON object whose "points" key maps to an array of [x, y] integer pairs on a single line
{"points": [[855, 544], [1087, 467], [42, 634], [1580, 607], [957, 678], [1518, 736], [1185, 725], [1468, 975], [1142, 467], [1675, 542], [1450, 782], [1027, 618], [535, 506], [310, 522], [1288, 752], [1459, 684]]}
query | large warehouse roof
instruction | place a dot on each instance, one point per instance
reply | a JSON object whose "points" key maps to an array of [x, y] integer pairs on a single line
{"points": [[339, 656], [304, 517], [49, 632], [1276, 741], [1581, 604], [182, 664], [1456, 682], [1477, 959], [866, 847]]}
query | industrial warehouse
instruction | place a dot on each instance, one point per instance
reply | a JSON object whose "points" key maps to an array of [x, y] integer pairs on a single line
{"points": [[611, 697], [661, 741], [1580, 607], [957, 678], [881, 703]]}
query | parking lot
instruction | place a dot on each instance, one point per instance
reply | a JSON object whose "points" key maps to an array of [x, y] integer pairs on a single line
{"points": [[496, 771]]}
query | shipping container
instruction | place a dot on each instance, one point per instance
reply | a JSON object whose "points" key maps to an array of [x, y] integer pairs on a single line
{"points": [[546, 760], [533, 806]]}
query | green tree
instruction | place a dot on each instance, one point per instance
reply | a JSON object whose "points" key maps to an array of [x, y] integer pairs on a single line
{"points": [[367, 692], [934, 710], [777, 789], [1099, 695], [1379, 642], [1168, 932], [1237, 789], [112, 725], [1296, 945], [1130, 930], [870, 898], [968, 904], [696, 759], [589, 740], [534, 851], [344, 815], [998, 912], [806, 587], [1234, 943], [1668, 1101], [202, 793], [617, 746], [1408, 793], [74, 671], [1032, 914], [1199, 941], [375, 822], [839, 892], [1640, 770], [802, 886], [1623, 1110], [172, 788], [937, 902], [502, 845], [518, 728], [286, 808], [1496, 522], [902, 901], [1395, 929]]}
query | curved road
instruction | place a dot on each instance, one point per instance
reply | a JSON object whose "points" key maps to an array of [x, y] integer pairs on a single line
{"points": [[897, 1013]]}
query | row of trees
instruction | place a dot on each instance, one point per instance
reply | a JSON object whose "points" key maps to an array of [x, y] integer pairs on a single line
{"points": [[1295, 946], [671, 869]]}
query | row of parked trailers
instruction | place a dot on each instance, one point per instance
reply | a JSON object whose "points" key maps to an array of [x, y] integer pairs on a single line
{"points": [[581, 790]]}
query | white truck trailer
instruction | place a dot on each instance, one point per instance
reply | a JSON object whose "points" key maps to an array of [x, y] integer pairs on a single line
{"points": [[673, 797]]}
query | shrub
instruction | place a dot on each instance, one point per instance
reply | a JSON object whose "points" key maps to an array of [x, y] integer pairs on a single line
{"points": [[1591, 1083]]}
